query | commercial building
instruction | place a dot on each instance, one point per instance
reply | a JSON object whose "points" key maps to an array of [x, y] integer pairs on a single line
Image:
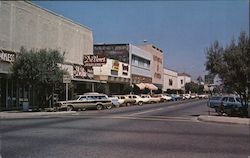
{"points": [[138, 61], [23, 23], [156, 66], [117, 75], [170, 81], [183, 78]]}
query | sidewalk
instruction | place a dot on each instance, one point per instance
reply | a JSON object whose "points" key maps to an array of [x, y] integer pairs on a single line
{"points": [[18, 114], [225, 119]]}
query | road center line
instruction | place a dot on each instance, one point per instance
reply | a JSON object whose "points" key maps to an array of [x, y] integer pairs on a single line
{"points": [[143, 112]]}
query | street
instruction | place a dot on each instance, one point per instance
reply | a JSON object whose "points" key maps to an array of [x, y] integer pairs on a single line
{"points": [[163, 130]]}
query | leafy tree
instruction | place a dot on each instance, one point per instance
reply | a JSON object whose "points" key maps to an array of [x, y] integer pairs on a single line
{"points": [[39, 70], [199, 79], [194, 87], [231, 64]]}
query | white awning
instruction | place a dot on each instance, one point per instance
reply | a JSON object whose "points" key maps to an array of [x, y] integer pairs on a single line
{"points": [[150, 86], [141, 86]]}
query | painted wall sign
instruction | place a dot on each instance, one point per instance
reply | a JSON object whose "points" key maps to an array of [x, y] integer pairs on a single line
{"points": [[7, 56], [94, 60]]}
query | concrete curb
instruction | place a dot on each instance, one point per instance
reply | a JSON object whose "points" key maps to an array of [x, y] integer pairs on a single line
{"points": [[6, 115], [224, 119]]}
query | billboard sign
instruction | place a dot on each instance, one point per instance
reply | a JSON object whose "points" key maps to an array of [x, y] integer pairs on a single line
{"points": [[94, 60]]}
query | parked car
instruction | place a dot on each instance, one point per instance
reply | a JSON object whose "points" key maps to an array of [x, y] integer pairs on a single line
{"points": [[125, 100], [175, 97], [193, 96], [163, 97], [151, 99], [214, 101], [138, 100], [202, 96], [187, 96], [115, 101], [86, 101], [230, 105]]}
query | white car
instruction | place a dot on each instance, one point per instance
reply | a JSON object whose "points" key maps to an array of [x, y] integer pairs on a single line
{"points": [[115, 101], [138, 100], [203, 96], [151, 99], [164, 97], [187, 96]]}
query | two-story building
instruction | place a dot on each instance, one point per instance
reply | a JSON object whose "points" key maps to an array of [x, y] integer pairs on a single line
{"points": [[183, 78], [170, 80], [156, 66], [137, 59]]}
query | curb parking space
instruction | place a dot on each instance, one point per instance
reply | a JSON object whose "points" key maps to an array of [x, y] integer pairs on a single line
{"points": [[224, 119]]}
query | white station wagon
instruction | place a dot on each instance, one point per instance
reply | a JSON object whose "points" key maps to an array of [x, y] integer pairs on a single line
{"points": [[86, 101]]}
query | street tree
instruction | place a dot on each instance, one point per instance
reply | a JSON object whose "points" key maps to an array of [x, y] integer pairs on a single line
{"points": [[40, 71], [231, 64], [194, 87]]}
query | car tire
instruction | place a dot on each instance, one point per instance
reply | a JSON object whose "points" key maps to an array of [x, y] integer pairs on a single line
{"points": [[70, 108], [109, 106], [99, 107], [140, 103], [128, 104]]}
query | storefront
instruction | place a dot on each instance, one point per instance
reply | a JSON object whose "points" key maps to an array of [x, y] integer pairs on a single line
{"points": [[12, 94]]}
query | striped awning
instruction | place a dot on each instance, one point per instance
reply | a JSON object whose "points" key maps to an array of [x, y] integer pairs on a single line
{"points": [[150, 86]]}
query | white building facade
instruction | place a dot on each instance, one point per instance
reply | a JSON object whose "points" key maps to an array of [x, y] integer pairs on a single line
{"points": [[170, 80], [183, 78]]}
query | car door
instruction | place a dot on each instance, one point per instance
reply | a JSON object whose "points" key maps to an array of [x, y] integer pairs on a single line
{"points": [[224, 101], [231, 102], [81, 102]]}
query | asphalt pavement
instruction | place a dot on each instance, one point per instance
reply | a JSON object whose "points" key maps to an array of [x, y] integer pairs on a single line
{"points": [[164, 130]]}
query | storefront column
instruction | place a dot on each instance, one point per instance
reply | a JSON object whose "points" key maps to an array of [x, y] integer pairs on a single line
{"points": [[93, 87], [6, 94]]}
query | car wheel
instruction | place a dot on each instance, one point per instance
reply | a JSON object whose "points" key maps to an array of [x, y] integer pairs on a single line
{"points": [[140, 103], [70, 108], [109, 106], [128, 104], [99, 107], [83, 109]]}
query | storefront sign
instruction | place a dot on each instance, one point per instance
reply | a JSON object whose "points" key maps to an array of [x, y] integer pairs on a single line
{"points": [[7, 56], [84, 72], [139, 79], [115, 65], [94, 60], [66, 79]]}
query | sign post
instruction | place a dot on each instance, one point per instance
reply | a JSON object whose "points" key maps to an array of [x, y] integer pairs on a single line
{"points": [[67, 80]]}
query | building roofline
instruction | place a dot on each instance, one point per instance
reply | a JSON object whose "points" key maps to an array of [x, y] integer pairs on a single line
{"points": [[170, 69], [155, 47], [56, 14], [112, 44], [183, 74]]}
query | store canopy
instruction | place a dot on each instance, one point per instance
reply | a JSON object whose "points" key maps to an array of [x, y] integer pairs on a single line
{"points": [[150, 86], [141, 86]]}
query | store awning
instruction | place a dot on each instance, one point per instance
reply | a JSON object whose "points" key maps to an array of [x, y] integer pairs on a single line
{"points": [[141, 86], [150, 86]]}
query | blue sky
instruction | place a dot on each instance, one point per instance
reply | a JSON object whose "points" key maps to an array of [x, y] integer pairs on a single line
{"points": [[182, 29]]}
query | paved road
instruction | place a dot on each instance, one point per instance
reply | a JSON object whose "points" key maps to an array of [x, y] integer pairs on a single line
{"points": [[166, 130]]}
